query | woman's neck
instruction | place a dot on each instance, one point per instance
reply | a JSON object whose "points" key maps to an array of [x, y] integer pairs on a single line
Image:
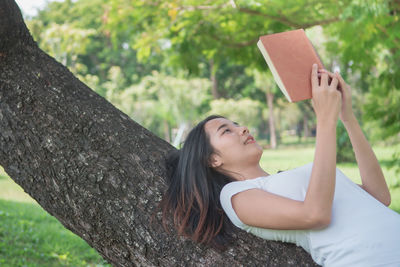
{"points": [[247, 173]]}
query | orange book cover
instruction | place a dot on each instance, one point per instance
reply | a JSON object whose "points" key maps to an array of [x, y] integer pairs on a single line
{"points": [[290, 56]]}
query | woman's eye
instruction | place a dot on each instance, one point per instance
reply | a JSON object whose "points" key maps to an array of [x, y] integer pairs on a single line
{"points": [[226, 130]]}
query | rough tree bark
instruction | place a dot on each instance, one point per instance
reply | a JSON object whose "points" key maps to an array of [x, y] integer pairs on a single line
{"points": [[94, 169]]}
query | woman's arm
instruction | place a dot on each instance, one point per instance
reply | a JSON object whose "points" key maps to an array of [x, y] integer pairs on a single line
{"points": [[263, 209], [371, 174]]}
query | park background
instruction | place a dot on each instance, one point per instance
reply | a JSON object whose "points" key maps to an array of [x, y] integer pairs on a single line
{"points": [[168, 64]]}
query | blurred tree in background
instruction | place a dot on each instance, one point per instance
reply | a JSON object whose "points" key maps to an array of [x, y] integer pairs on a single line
{"points": [[169, 63], [161, 102], [242, 110]]}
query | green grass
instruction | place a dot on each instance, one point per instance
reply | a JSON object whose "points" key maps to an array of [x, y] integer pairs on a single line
{"points": [[29, 236], [12, 191]]}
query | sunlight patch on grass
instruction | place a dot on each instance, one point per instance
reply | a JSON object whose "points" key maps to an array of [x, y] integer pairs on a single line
{"points": [[12, 191], [31, 237]]}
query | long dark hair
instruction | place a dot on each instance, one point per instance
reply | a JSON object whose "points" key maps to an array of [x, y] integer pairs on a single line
{"points": [[193, 191]]}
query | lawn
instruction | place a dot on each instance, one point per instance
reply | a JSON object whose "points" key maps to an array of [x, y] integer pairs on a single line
{"points": [[29, 236]]}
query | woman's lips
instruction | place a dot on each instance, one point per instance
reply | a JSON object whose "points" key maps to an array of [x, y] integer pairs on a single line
{"points": [[250, 140]]}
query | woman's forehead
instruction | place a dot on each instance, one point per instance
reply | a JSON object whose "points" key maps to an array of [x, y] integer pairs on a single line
{"points": [[212, 125]]}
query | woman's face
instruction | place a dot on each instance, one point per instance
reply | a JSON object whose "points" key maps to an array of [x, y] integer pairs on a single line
{"points": [[234, 147]]}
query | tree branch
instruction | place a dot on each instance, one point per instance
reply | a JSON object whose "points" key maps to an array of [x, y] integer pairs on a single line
{"points": [[252, 41], [383, 29], [229, 43], [287, 21]]}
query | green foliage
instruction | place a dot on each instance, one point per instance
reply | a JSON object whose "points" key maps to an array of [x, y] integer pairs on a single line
{"points": [[189, 30], [375, 56], [80, 26], [234, 82], [344, 149], [382, 109], [160, 100], [96, 38], [66, 47], [244, 111]]}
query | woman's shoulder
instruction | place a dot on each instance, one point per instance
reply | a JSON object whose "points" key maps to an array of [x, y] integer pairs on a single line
{"points": [[241, 185], [233, 188]]}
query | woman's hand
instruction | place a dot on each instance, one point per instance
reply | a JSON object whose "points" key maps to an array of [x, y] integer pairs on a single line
{"points": [[346, 112], [326, 98]]}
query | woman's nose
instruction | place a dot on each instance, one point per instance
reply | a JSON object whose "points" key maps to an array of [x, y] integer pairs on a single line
{"points": [[244, 130]]}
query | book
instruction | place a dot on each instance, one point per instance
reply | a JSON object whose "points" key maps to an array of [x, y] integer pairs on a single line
{"points": [[290, 56]]}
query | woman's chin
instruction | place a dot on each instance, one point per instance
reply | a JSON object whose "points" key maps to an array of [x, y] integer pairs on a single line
{"points": [[259, 147], [258, 151]]}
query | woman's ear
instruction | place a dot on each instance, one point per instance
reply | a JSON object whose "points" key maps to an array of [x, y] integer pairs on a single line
{"points": [[215, 161]]}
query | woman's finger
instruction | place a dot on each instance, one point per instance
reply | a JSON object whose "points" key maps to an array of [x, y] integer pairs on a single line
{"points": [[337, 75], [334, 82], [324, 79], [340, 78], [330, 74]]}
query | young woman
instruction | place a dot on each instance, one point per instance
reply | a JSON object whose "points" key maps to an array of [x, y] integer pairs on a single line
{"points": [[340, 223]]}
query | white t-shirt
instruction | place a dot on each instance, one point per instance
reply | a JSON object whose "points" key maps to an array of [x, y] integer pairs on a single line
{"points": [[363, 232]]}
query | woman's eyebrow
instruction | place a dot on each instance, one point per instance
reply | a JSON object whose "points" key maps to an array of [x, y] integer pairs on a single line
{"points": [[225, 125]]}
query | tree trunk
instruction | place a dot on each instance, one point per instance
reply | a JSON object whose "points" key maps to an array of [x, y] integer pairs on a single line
{"points": [[271, 120], [94, 169], [214, 81], [306, 129]]}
